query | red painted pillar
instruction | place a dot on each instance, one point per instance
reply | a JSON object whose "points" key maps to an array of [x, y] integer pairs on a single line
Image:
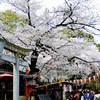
{"points": [[26, 89]]}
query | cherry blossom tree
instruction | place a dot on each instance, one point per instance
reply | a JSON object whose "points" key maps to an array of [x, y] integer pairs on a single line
{"points": [[57, 55]]}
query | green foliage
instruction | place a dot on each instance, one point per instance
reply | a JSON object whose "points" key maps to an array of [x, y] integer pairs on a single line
{"points": [[86, 36], [11, 20], [98, 46], [70, 33], [89, 37], [71, 36], [93, 84], [66, 30]]}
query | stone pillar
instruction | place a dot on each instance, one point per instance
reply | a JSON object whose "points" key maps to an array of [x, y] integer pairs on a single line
{"points": [[16, 79]]}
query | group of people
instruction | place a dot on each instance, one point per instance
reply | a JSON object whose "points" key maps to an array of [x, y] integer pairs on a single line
{"points": [[82, 95]]}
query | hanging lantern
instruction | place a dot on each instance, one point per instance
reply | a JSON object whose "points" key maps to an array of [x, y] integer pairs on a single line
{"points": [[70, 81], [98, 74], [94, 77], [85, 80], [89, 79], [81, 81], [67, 81], [77, 81], [74, 81]]}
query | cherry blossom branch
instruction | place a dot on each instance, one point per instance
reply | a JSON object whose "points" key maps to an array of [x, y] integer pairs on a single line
{"points": [[81, 60]]}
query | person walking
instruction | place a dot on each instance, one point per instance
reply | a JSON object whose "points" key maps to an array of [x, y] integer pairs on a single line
{"points": [[88, 95], [77, 95]]}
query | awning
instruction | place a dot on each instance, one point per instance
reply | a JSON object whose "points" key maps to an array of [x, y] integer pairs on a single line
{"points": [[5, 75]]}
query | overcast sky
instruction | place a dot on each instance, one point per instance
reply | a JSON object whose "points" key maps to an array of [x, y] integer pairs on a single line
{"points": [[54, 3]]}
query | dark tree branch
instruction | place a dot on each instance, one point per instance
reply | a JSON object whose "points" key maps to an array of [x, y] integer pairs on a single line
{"points": [[45, 64], [3, 37], [29, 16], [62, 46], [44, 46], [70, 59], [25, 11], [22, 41], [46, 77], [76, 5], [67, 3], [88, 25], [90, 31], [77, 23], [71, 13]]}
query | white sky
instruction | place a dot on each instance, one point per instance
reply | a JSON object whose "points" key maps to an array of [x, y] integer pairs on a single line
{"points": [[51, 3], [54, 3]]}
